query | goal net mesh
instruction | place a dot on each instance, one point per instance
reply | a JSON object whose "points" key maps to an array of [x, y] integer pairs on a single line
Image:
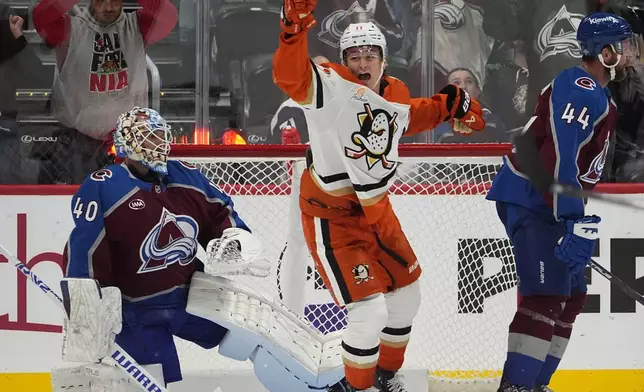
{"points": [[468, 280]]}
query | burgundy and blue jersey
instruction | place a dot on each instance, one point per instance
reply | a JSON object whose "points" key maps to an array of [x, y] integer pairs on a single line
{"points": [[572, 125], [143, 237]]}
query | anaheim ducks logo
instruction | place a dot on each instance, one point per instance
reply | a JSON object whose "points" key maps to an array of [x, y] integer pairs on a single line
{"points": [[559, 35], [377, 129]]}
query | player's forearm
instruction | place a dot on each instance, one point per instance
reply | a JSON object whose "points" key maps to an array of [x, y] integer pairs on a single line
{"points": [[292, 67], [156, 19], [11, 47], [426, 114], [51, 20]]}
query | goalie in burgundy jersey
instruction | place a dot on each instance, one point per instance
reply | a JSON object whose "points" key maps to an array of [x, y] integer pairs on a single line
{"points": [[355, 115], [132, 255], [552, 236]]}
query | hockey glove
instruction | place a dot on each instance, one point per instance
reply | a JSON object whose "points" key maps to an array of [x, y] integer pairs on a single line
{"points": [[290, 135], [237, 252], [94, 317], [465, 114], [576, 247], [296, 16]]}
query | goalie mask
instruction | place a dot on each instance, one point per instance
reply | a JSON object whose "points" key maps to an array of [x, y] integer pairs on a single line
{"points": [[142, 135]]}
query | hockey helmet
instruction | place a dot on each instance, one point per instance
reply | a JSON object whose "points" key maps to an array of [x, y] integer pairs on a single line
{"points": [[362, 34], [600, 29], [144, 136]]}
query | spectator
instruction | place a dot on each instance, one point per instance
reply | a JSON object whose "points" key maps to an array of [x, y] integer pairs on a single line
{"points": [[494, 130], [546, 29], [101, 71], [18, 63], [625, 158], [506, 83]]}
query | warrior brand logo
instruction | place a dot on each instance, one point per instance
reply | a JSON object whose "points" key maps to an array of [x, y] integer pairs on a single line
{"points": [[559, 35], [137, 204], [126, 364], [375, 137], [596, 166], [108, 69], [172, 240]]}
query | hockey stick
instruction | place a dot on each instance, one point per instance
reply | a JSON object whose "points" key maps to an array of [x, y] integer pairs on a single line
{"points": [[123, 360], [621, 285], [528, 156], [530, 164]]}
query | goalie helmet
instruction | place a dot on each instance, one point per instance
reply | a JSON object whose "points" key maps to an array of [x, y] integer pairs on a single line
{"points": [[362, 34], [142, 135]]}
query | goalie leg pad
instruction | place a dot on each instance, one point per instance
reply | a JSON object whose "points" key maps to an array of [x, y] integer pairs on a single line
{"points": [[98, 377], [284, 343]]}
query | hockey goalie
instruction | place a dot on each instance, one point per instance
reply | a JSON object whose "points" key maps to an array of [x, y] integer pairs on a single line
{"points": [[132, 276], [356, 115]]}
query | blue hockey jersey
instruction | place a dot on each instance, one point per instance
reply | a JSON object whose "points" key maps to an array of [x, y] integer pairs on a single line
{"points": [[143, 237], [572, 124]]}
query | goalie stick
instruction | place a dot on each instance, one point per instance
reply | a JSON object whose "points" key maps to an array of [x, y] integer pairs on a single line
{"points": [[124, 361], [530, 164]]}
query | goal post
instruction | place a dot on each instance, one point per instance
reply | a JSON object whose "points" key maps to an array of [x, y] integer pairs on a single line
{"points": [[468, 281]]}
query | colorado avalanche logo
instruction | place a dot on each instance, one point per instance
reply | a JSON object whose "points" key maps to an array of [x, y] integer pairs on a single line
{"points": [[596, 167], [450, 15], [172, 240], [559, 35]]}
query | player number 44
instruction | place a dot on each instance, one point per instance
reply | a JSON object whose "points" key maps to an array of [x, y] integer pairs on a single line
{"points": [[89, 211], [569, 116]]}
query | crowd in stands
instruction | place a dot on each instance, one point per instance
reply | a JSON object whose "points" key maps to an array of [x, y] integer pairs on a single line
{"points": [[68, 68]]}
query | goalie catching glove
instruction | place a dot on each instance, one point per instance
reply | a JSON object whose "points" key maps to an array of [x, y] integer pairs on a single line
{"points": [[237, 252], [465, 113], [94, 318], [296, 16]]}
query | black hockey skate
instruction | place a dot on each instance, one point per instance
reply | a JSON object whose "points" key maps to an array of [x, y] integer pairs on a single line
{"points": [[542, 388], [505, 387], [343, 386], [389, 381]]}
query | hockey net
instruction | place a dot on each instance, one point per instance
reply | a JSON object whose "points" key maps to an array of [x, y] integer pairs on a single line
{"points": [[468, 281]]}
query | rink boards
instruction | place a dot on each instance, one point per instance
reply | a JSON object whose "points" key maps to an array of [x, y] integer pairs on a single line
{"points": [[606, 352]]}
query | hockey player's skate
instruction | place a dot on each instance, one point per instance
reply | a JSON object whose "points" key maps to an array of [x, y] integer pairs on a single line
{"points": [[389, 381], [505, 387], [542, 388], [343, 386]]}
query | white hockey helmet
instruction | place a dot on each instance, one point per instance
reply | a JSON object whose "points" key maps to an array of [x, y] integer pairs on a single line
{"points": [[144, 136], [362, 34]]}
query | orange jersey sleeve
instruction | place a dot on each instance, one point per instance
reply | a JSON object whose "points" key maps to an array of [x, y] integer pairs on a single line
{"points": [[426, 113], [292, 71]]}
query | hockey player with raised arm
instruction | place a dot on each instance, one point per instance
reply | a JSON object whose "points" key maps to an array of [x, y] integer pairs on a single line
{"points": [[356, 114], [553, 238], [131, 267]]}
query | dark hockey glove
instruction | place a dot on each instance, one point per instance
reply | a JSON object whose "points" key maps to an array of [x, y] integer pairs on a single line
{"points": [[576, 247], [297, 16], [465, 113]]}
